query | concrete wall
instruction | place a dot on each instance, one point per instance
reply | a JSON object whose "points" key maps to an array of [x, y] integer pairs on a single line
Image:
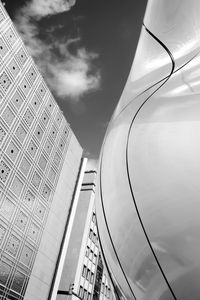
{"points": [[43, 270], [75, 243]]}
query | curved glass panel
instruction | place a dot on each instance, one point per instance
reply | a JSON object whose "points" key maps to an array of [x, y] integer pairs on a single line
{"points": [[177, 24], [148, 199], [144, 73]]}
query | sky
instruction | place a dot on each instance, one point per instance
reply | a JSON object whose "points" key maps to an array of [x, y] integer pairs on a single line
{"points": [[84, 49]]}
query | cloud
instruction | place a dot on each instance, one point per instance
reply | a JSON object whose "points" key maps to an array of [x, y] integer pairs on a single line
{"points": [[41, 8], [69, 75], [72, 76]]}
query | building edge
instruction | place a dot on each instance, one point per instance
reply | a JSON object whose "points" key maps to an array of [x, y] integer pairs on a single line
{"points": [[67, 232]]}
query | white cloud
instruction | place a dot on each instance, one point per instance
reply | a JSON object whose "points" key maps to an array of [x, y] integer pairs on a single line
{"points": [[28, 32], [72, 77], [69, 75], [41, 8]]}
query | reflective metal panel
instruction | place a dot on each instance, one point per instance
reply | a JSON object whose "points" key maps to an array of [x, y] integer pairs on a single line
{"points": [[148, 191]]}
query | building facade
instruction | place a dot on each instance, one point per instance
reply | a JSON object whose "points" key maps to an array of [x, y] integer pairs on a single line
{"points": [[40, 170], [148, 188], [84, 273]]}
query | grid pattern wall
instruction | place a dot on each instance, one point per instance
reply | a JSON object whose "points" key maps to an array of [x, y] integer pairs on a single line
{"points": [[106, 292], [87, 280], [34, 137], [89, 268]]}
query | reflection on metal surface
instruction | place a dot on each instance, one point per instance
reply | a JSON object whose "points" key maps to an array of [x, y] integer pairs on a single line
{"points": [[149, 193]]}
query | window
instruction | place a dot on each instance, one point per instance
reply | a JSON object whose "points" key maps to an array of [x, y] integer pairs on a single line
{"points": [[94, 238], [89, 296], [91, 234], [108, 292], [91, 255], [94, 218], [88, 275], [92, 278], [87, 251], [85, 295], [80, 292], [84, 271], [94, 259]]}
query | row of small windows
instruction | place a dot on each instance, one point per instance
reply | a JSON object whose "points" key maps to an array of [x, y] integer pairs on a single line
{"points": [[88, 274], [93, 236], [84, 294], [91, 255], [105, 290]]}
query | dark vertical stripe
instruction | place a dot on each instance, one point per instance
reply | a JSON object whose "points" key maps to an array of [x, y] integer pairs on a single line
{"points": [[106, 223], [165, 47], [127, 164]]}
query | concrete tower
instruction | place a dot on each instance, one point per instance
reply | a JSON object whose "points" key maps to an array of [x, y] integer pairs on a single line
{"points": [[40, 163]]}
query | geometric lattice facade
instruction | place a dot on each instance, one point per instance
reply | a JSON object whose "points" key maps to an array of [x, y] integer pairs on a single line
{"points": [[34, 139]]}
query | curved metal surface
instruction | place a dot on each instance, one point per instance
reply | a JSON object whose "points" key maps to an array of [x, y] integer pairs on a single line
{"points": [[148, 199]]}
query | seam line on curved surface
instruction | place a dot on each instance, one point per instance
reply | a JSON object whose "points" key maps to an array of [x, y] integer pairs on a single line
{"points": [[111, 240], [166, 77], [104, 257], [165, 47], [127, 164], [101, 194]]}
